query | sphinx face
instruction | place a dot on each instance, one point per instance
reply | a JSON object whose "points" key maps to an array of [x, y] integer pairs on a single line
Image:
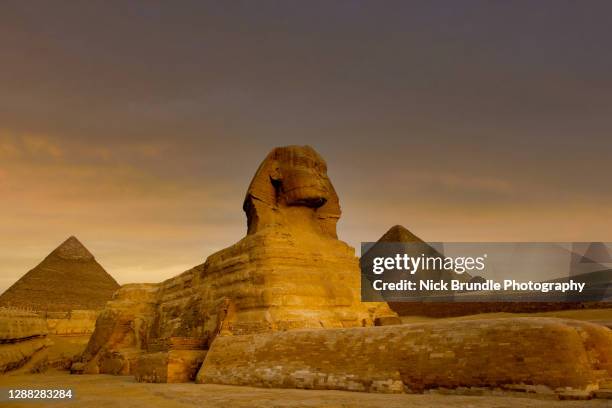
{"points": [[290, 178], [302, 178]]}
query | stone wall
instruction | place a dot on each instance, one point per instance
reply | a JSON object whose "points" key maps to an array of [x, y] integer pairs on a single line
{"points": [[22, 334], [17, 325], [73, 323], [121, 332], [174, 366], [528, 353]]}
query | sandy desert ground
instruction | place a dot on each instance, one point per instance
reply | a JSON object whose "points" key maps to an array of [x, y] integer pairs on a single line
{"points": [[599, 316], [102, 391]]}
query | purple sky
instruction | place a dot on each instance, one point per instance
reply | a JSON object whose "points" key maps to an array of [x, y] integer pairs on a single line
{"points": [[137, 126]]}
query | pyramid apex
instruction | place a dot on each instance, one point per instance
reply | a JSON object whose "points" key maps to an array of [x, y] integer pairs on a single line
{"points": [[397, 228], [73, 249], [399, 233]]}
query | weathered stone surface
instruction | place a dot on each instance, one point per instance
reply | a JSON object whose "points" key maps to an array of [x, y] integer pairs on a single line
{"points": [[174, 366], [122, 329], [75, 322], [22, 334], [554, 354], [289, 272], [68, 279], [604, 393], [17, 325], [14, 355]]}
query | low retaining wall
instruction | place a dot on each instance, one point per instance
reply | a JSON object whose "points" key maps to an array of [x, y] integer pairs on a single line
{"points": [[74, 323], [525, 352], [22, 334], [17, 325]]}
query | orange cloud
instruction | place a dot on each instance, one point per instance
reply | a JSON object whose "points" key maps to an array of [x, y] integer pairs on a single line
{"points": [[41, 145], [19, 145], [8, 147]]}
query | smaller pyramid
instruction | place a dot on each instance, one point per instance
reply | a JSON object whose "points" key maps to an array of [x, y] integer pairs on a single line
{"points": [[402, 239], [69, 278], [398, 233], [399, 240]]}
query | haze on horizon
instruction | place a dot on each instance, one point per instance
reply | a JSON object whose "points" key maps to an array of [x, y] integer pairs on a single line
{"points": [[137, 126]]}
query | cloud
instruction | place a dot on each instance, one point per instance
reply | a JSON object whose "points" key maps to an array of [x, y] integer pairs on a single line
{"points": [[41, 145], [157, 224], [20, 145], [474, 184], [8, 149]]}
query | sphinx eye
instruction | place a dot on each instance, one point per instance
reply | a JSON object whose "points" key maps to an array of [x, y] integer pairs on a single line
{"points": [[276, 182]]}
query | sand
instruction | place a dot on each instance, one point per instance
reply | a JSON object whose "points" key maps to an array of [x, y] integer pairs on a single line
{"points": [[114, 391], [600, 316]]}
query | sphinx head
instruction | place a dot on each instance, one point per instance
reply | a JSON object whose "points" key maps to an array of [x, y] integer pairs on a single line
{"points": [[289, 178]]}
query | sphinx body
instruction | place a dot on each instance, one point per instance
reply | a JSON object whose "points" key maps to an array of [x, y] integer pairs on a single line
{"points": [[289, 272]]}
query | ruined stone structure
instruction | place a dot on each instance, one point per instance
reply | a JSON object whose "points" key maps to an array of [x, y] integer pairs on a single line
{"points": [[22, 334], [72, 323], [289, 272]]}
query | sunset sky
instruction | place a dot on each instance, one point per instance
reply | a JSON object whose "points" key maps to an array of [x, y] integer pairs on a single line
{"points": [[137, 126]]}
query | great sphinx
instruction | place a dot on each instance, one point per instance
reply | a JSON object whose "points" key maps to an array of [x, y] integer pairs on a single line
{"points": [[234, 319], [290, 271]]}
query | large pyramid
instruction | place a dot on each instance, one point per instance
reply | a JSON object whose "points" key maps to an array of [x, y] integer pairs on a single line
{"points": [[68, 279]]}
